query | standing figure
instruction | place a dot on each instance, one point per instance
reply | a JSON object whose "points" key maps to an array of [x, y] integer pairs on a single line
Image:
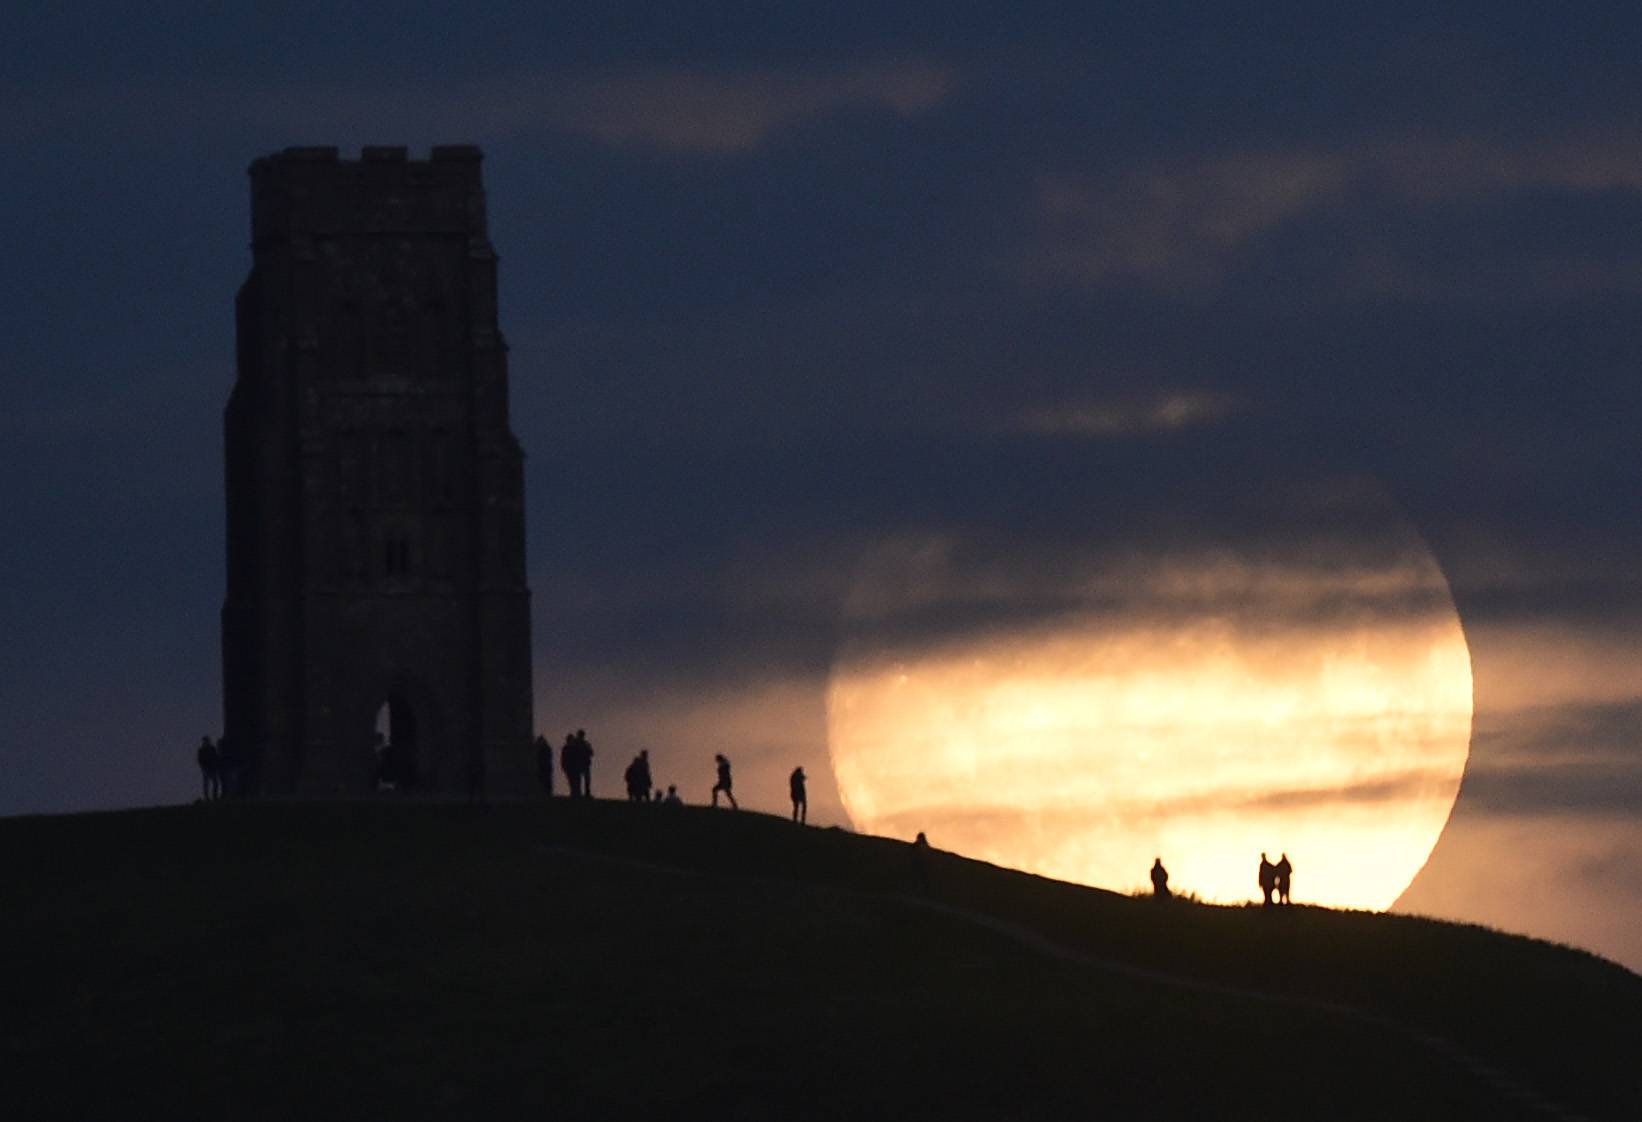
{"points": [[723, 783], [672, 798], [210, 772], [544, 765], [1160, 879], [800, 801], [1268, 878], [638, 778], [584, 762], [567, 764], [1280, 875]]}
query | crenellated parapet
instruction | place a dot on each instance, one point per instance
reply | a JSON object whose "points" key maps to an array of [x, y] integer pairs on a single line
{"points": [[312, 191]]}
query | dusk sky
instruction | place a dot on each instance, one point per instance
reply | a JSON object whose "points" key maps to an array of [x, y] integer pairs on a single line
{"points": [[804, 304]]}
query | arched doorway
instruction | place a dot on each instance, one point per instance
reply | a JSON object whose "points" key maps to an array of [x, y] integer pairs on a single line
{"points": [[398, 762]]}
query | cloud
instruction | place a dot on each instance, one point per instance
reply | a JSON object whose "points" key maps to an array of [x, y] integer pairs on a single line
{"points": [[1535, 787], [685, 110], [981, 817], [1539, 674], [1168, 411], [1317, 554], [1179, 223], [1558, 757], [1174, 223]]}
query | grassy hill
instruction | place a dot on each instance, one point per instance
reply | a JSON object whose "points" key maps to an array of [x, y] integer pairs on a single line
{"points": [[595, 960]]}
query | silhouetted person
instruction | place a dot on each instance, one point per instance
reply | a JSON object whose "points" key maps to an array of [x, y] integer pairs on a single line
{"points": [[1160, 879], [1280, 877], [923, 861], [210, 769], [672, 798], [723, 783], [544, 765], [567, 764], [800, 801], [638, 778], [576, 758], [584, 762], [1268, 878]]}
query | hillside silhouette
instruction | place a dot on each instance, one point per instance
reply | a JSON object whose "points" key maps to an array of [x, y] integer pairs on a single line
{"points": [[595, 959]]}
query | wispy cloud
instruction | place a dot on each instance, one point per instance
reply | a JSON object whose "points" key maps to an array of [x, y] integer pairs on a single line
{"points": [[1571, 754], [696, 111], [1345, 555], [1178, 223], [955, 819], [1168, 411], [1175, 223]]}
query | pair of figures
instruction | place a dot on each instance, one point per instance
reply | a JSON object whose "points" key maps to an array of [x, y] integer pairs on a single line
{"points": [[576, 761], [219, 768], [1275, 878]]}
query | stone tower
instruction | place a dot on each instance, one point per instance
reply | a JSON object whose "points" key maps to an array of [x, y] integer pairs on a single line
{"points": [[376, 557]]}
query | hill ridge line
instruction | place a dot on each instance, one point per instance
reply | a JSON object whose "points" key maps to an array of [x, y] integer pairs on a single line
{"points": [[1517, 1093]]}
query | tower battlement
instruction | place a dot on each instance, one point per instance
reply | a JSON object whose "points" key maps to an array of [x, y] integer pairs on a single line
{"points": [[313, 190]]}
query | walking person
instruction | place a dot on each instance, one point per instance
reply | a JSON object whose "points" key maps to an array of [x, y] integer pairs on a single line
{"points": [[800, 801], [723, 783], [210, 769]]}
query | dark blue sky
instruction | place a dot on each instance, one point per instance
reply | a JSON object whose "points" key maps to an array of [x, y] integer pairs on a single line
{"points": [[780, 283]]}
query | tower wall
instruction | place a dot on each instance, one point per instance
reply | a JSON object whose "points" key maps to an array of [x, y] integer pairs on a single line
{"points": [[375, 490]]}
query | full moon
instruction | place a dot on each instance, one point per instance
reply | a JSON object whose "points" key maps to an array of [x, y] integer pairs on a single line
{"points": [[1200, 706]]}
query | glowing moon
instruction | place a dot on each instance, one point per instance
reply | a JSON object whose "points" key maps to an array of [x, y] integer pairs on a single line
{"points": [[1202, 709]]}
